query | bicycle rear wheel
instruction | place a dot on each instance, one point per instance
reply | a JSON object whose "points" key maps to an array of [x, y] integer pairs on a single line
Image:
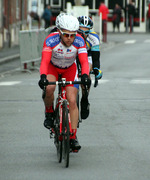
{"points": [[66, 134], [78, 105]]}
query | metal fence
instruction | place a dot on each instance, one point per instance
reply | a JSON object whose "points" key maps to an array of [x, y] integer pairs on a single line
{"points": [[31, 43]]}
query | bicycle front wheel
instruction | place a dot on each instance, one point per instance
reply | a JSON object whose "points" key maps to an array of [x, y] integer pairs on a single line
{"points": [[66, 133], [57, 141]]}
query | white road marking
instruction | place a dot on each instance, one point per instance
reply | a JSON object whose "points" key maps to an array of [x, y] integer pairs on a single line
{"points": [[102, 81], [147, 41], [130, 41], [9, 83], [140, 81]]}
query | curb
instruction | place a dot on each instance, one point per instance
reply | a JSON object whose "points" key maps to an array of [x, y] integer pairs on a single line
{"points": [[8, 58]]}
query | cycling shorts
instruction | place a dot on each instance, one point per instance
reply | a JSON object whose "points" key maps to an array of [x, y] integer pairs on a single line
{"points": [[70, 73]]}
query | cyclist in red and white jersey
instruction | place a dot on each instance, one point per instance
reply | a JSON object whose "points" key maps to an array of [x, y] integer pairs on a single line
{"points": [[58, 57]]}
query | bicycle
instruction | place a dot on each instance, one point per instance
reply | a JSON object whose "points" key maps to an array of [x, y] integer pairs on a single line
{"points": [[62, 124]]}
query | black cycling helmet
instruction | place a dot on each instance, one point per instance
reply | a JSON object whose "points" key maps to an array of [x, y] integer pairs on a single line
{"points": [[85, 21]]}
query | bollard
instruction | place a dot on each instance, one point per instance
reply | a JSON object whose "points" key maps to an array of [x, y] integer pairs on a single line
{"points": [[25, 66], [105, 31], [131, 23], [100, 26], [127, 21]]}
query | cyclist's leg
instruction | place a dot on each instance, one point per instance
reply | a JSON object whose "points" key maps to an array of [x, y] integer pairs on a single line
{"points": [[85, 105], [49, 97], [52, 75], [71, 93], [73, 109]]}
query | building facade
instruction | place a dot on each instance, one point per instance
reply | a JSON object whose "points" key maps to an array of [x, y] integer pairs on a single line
{"points": [[139, 19], [13, 18], [13, 15]]}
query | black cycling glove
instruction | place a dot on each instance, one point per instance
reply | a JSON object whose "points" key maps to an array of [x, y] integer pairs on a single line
{"points": [[86, 81], [43, 81], [98, 73]]}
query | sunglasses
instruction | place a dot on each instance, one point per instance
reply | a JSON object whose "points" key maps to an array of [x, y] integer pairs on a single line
{"points": [[85, 32], [67, 34]]}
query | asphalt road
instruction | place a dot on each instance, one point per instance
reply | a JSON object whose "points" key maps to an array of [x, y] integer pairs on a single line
{"points": [[115, 139]]}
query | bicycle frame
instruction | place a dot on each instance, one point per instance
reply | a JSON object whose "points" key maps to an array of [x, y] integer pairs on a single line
{"points": [[61, 98]]}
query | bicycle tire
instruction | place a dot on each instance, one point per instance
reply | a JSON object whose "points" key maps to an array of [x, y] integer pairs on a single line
{"points": [[59, 151], [57, 141], [66, 134], [78, 105]]}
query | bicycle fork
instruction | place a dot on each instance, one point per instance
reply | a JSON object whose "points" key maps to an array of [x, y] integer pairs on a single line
{"points": [[61, 129]]}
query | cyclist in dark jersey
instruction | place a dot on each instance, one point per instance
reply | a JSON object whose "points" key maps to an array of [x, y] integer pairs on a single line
{"points": [[93, 47]]}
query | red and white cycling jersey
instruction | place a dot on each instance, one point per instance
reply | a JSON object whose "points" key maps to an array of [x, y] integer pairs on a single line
{"points": [[61, 56]]}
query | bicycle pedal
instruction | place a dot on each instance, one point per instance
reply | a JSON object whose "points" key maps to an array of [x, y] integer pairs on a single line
{"points": [[51, 136], [51, 133], [80, 120]]}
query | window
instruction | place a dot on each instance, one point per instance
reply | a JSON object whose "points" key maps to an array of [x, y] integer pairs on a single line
{"points": [[55, 3], [34, 5]]}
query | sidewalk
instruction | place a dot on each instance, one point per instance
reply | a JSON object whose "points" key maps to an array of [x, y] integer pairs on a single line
{"points": [[8, 54]]}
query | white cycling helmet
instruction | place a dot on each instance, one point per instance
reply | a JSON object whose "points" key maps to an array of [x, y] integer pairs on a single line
{"points": [[67, 21]]}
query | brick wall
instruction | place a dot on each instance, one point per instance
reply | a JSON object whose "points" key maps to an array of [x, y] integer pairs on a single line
{"points": [[14, 19]]}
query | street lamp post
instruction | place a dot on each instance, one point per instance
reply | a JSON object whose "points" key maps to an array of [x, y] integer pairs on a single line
{"points": [[8, 25]]}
